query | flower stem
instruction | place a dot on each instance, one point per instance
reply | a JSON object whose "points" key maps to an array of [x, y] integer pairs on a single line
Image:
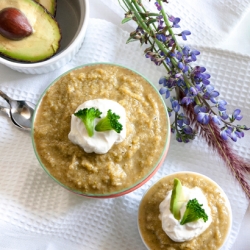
{"points": [[168, 25]]}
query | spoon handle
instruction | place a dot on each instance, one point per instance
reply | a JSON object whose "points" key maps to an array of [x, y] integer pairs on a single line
{"points": [[5, 110], [5, 97]]}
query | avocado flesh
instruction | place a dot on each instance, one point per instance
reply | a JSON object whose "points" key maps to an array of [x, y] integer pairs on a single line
{"points": [[50, 5], [177, 199], [43, 43]]}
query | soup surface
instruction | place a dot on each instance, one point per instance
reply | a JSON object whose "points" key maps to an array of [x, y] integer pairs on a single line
{"points": [[150, 224], [127, 162]]}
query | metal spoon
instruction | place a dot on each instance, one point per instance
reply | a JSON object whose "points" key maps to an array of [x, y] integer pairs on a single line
{"points": [[7, 112], [21, 111]]}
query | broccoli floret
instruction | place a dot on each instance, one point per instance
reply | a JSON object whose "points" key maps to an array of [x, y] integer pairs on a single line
{"points": [[194, 211], [88, 116], [110, 122]]}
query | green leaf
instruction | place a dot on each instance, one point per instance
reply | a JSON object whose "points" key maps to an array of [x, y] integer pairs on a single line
{"points": [[131, 39], [151, 20], [148, 14], [126, 19]]}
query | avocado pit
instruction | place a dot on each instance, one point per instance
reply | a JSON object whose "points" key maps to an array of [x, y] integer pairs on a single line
{"points": [[29, 33], [14, 25]]}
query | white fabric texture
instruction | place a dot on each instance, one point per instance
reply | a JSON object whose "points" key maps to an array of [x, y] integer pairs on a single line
{"points": [[37, 213], [210, 22]]}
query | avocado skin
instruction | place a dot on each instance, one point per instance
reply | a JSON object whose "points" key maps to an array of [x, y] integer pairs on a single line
{"points": [[42, 44], [50, 5]]}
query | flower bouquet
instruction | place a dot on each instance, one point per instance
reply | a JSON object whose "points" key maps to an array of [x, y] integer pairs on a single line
{"points": [[193, 103]]}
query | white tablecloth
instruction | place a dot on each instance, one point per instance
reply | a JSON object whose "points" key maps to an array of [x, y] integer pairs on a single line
{"points": [[102, 11], [238, 41]]}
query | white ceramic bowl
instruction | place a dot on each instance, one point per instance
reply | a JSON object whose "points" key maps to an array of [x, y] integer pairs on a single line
{"points": [[175, 175], [72, 16]]}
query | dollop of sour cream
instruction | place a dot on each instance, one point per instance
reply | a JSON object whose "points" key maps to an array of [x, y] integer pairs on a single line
{"points": [[188, 231], [100, 142]]}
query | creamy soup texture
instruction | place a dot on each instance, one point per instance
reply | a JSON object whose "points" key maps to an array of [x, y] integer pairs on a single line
{"points": [[127, 162], [150, 225]]}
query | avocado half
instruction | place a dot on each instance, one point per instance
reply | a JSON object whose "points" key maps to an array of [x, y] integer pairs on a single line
{"points": [[50, 5], [45, 39]]}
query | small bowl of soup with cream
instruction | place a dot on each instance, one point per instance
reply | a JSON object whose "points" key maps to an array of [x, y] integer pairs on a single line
{"points": [[101, 130], [184, 210]]}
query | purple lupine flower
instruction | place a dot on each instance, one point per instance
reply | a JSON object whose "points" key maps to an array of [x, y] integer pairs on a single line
{"points": [[193, 54], [178, 55], [234, 133], [161, 25], [233, 136], [178, 138], [203, 118], [198, 70], [221, 105], [180, 65], [223, 115], [229, 130], [198, 74], [180, 122], [210, 93], [150, 55], [182, 119], [167, 94], [216, 119], [205, 78], [161, 37], [185, 119], [180, 82], [175, 105], [163, 80], [140, 30], [198, 87], [224, 134], [185, 51], [186, 100], [158, 6], [175, 21], [198, 108], [171, 54], [184, 34], [157, 60], [171, 42], [179, 75], [239, 133], [236, 115], [185, 69], [170, 83], [159, 17], [187, 130], [168, 61], [193, 91], [165, 91]]}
